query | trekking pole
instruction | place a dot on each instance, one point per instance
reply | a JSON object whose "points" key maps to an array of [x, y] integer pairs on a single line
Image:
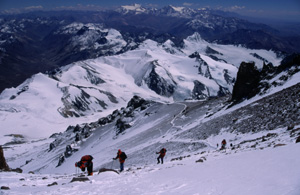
{"points": [[112, 164]]}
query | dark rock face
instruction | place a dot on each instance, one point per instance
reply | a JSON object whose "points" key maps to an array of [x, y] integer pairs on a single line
{"points": [[203, 66], [82, 102], [68, 151], [121, 125], [3, 164], [18, 170], [51, 146], [126, 115], [247, 81], [289, 62], [250, 81], [61, 160], [136, 102], [200, 91], [267, 70], [159, 84]]}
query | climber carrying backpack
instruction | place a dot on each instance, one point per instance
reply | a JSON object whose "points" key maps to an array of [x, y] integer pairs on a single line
{"points": [[122, 157], [86, 162], [161, 156], [223, 144]]}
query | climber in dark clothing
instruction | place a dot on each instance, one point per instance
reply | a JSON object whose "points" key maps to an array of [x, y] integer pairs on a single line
{"points": [[86, 162], [161, 156]]}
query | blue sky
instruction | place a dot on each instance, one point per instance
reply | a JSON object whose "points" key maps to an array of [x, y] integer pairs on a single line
{"points": [[280, 9]]}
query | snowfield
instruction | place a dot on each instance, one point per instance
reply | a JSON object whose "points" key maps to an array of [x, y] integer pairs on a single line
{"points": [[269, 170]]}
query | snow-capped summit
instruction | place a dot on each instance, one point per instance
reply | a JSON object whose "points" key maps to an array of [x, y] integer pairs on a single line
{"points": [[195, 39], [92, 36], [177, 11], [136, 8]]}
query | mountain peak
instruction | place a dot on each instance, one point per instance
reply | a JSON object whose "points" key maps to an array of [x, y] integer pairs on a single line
{"points": [[178, 9], [133, 8], [196, 37]]}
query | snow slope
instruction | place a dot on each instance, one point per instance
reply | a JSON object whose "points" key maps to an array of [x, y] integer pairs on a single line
{"points": [[231, 172]]}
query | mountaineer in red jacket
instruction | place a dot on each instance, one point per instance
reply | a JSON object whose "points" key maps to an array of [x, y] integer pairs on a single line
{"points": [[223, 144], [86, 162], [121, 156], [161, 156]]}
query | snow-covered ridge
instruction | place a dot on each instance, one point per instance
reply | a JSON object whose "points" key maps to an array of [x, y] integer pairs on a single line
{"points": [[170, 10], [94, 36], [137, 8], [90, 89]]}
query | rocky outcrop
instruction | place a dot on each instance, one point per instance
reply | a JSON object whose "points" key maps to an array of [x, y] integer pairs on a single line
{"points": [[159, 84], [278, 110], [120, 119], [200, 91], [250, 81], [247, 81], [136, 102], [3, 165], [52, 184], [5, 188]]}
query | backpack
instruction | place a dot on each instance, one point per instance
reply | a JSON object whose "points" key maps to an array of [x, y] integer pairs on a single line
{"points": [[163, 151], [123, 155], [224, 142], [87, 158]]}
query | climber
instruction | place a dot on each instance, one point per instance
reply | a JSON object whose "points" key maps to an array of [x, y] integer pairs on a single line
{"points": [[86, 162], [161, 156], [121, 156], [223, 144]]}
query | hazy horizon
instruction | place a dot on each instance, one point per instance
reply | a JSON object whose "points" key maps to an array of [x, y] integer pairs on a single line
{"points": [[288, 10]]}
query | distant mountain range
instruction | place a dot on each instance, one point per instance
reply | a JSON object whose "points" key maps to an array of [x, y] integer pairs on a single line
{"points": [[42, 41]]}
